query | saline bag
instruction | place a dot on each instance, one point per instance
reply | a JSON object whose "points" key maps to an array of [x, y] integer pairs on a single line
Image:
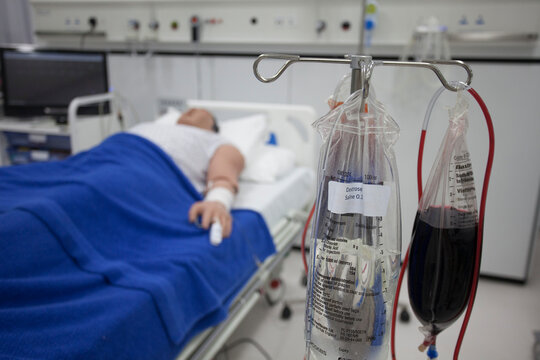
{"points": [[444, 239], [356, 238]]}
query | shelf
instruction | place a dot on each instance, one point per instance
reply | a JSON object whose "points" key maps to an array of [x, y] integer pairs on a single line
{"points": [[43, 126]]}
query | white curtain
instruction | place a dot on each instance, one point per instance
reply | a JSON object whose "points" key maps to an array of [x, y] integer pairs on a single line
{"points": [[15, 22]]}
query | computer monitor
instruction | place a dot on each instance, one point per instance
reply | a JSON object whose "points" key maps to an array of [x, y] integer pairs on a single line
{"points": [[43, 83]]}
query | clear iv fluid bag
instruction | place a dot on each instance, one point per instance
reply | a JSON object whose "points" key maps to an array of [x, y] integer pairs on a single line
{"points": [[443, 245], [356, 237]]}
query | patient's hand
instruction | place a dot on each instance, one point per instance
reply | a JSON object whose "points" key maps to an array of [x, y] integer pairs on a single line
{"points": [[210, 211]]}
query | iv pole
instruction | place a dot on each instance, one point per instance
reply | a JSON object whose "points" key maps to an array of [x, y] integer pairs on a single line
{"points": [[362, 67], [362, 29]]}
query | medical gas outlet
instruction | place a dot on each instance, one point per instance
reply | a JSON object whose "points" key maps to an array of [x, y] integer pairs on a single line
{"points": [[320, 26], [134, 25], [154, 25], [195, 28]]}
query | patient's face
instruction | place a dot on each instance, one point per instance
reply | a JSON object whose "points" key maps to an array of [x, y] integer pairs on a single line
{"points": [[197, 117]]}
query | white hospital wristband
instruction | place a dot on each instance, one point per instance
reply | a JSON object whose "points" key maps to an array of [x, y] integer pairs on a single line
{"points": [[222, 195]]}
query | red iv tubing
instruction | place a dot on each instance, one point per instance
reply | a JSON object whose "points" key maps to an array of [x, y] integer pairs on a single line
{"points": [[485, 186]]}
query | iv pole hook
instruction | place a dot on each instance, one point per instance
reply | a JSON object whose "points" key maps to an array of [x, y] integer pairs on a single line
{"points": [[291, 59], [431, 65]]}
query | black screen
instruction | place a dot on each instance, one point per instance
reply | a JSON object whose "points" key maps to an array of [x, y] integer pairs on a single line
{"points": [[38, 83]]}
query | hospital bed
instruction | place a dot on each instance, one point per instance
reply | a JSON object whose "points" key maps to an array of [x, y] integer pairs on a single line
{"points": [[284, 205], [40, 315]]}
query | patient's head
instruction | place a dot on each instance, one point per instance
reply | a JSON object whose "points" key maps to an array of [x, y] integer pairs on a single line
{"points": [[199, 118]]}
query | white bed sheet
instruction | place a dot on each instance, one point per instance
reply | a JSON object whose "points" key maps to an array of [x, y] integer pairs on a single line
{"points": [[277, 199]]}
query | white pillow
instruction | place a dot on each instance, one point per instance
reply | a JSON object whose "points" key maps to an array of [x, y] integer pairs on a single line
{"points": [[170, 117], [245, 133], [268, 164]]}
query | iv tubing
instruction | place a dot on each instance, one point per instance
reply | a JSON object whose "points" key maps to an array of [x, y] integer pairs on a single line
{"points": [[487, 175], [303, 243]]}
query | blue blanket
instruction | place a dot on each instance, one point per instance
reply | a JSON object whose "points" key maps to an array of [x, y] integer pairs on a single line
{"points": [[98, 259]]}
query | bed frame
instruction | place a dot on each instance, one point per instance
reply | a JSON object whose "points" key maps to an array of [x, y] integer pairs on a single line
{"points": [[291, 125]]}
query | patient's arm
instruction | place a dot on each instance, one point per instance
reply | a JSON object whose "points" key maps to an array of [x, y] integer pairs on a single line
{"points": [[222, 178], [225, 168]]}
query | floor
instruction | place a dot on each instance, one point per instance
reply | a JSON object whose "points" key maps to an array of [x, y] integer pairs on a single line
{"points": [[502, 326]]}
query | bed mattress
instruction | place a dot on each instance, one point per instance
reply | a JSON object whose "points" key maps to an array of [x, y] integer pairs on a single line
{"points": [[275, 200]]}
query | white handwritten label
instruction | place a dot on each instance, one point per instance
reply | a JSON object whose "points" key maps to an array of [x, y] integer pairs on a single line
{"points": [[39, 155], [37, 138], [358, 198]]}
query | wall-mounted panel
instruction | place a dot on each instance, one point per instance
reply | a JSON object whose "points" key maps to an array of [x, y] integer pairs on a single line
{"points": [[481, 28]]}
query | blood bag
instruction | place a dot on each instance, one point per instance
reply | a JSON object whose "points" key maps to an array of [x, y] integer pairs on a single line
{"points": [[443, 245], [356, 236]]}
